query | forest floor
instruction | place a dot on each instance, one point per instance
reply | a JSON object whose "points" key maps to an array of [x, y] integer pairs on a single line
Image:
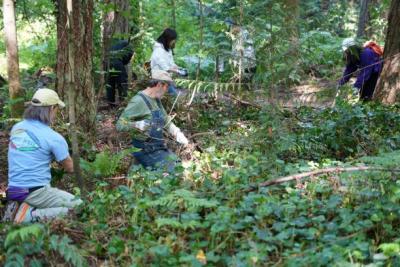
{"points": [[317, 93]]}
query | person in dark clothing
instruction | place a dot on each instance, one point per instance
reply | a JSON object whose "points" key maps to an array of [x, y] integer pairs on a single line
{"points": [[367, 60], [120, 55]]}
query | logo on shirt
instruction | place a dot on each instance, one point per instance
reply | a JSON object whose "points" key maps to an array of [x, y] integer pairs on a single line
{"points": [[23, 140]]}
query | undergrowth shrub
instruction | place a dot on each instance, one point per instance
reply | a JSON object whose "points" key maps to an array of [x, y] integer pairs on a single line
{"points": [[209, 215], [341, 132], [33, 245], [105, 164]]}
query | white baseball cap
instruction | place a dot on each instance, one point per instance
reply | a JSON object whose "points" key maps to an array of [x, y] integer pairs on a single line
{"points": [[347, 43], [45, 97]]}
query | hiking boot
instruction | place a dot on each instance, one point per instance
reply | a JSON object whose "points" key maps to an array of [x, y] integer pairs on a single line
{"points": [[24, 213], [11, 211]]}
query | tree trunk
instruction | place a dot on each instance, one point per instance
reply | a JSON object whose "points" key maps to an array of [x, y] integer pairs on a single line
{"points": [[82, 36], [292, 16], [173, 10], [344, 7], [388, 87], [201, 29], [10, 36], [363, 18], [82, 26], [62, 48], [72, 92], [292, 31]]}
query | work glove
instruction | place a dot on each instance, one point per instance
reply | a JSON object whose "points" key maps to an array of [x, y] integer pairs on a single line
{"points": [[142, 125], [177, 134], [183, 72], [355, 91], [181, 139]]}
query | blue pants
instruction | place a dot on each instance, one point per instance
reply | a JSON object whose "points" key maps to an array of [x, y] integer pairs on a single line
{"points": [[157, 159]]}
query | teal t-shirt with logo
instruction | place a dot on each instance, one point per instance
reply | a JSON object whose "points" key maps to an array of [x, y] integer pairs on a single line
{"points": [[33, 146]]}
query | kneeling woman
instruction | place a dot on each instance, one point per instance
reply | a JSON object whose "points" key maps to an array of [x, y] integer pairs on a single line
{"points": [[33, 146], [146, 118]]}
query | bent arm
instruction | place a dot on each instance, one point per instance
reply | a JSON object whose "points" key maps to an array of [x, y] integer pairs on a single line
{"points": [[68, 164], [163, 60], [133, 116], [348, 72]]}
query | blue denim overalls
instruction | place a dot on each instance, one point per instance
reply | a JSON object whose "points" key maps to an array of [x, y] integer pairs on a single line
{"points": [[154, 153]]}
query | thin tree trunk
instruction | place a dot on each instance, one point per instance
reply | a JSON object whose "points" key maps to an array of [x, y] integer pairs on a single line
{"points": [[173, 7], [292, 18], [241, 44], [106, 37], [291, 23], [71, 97], [200, 38], [344, 6], [62, 49], [10, 36], [363, 18], [388, 87]]}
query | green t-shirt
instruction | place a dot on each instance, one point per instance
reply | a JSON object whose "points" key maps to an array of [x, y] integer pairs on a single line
{"points": [[137, 110]]}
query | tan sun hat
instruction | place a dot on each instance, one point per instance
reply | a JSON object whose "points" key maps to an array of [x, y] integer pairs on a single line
{"points": [[45, 97], [161, 75]]}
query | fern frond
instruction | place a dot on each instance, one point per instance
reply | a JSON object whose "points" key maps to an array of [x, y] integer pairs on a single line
{"points": [[22, 234], [68, 251]]}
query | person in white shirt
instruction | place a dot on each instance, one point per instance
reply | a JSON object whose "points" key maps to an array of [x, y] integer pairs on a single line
{"points": [[162, 58]]}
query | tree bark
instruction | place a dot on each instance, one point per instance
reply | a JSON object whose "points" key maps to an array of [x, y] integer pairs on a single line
{"points": [[201, 33], [72, 95], [388, 87], [82, 26], [173, 11], [82, 36], [363, 18], [62, 48], [292, 16], [10, 36], [292, 30]]}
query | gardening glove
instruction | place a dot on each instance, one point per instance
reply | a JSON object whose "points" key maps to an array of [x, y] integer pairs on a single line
{"points": [[355, 91], [183, 72], [142, 125], [181, 139], [177, 134]]}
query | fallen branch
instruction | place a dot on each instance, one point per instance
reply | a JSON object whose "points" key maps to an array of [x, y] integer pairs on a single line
{"points": [[116, 178], [299, 176], [243, 102], [201, 134]]}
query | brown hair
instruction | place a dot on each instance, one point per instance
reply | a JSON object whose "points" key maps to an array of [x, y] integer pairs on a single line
{"points": [[42, 114]]}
